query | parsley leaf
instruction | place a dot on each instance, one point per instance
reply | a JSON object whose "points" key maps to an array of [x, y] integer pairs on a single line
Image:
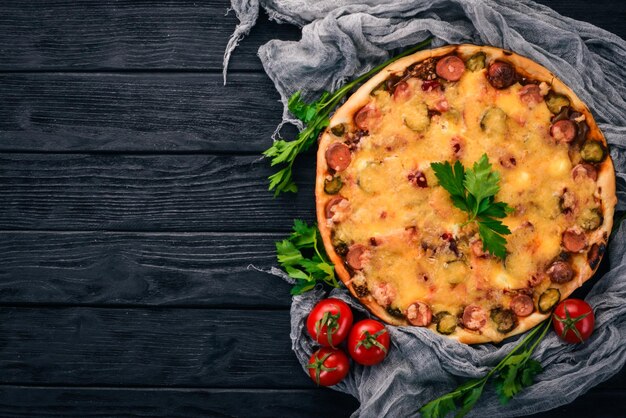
{"points": [[515, 372], [303, 258], [315, 117], [473, 191]]}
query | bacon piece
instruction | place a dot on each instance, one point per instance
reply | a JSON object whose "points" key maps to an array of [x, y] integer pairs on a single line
{"points": [[384, 294], [584, 170], [563, 131], [530, 94]]}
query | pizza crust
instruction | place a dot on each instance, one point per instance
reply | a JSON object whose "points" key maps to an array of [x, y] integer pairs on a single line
{"points": [[525, 67]]}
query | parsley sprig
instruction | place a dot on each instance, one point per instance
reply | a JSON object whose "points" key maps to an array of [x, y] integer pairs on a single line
{"points": [[515, 372], [303, 257], [315, 116], [473, 191]]}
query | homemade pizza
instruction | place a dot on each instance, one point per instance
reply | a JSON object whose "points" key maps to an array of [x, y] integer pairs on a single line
{"points": [[465, 189]]}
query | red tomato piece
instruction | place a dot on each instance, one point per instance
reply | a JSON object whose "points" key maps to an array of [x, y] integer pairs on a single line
{"points": [[573, 320], [368, 343], [328, 366], [329, 322]]}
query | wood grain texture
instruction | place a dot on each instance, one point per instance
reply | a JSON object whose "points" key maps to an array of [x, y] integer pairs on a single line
{"points": [[42, 402], [154, 347], [137, 112], [21, 401], [28, 401], [146, 269], [127, 34], [224, 348], [147, 193], [113, 35]]}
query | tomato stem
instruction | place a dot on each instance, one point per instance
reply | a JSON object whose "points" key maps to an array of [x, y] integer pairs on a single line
{"points": [[372, 340], [319, 367], [569, 323]]}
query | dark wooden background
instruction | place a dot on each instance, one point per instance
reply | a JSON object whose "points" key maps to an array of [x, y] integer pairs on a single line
{"points": [[132, 200]]}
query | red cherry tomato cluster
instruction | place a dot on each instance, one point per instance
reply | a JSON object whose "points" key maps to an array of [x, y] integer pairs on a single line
{"points": [[329, 323]]}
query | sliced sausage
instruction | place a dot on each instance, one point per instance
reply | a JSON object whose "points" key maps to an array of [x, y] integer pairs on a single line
{"points": [[522, 305], [560, 272], [419, 314], [530, 94], [402, 91], [474, 317], [363, 117], [328, 209], [384, 294], [338, 156], [574, 240], [585, 170], [450, 68], [357, 256], [563, 131], [501, 75]]}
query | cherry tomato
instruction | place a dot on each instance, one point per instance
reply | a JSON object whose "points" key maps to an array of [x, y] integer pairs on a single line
{"points": [[329, 322], [328, 366], [368, 342], [573, 320]]}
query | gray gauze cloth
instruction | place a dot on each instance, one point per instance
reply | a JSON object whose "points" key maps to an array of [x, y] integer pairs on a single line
{"points": [[341, 39]]}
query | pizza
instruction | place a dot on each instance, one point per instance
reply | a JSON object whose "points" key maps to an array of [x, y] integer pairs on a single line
{"points": [[397, 240]]}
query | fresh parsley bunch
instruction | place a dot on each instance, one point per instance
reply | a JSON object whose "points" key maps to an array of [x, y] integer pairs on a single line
{"points": [[473, 191], [316, 118], [303, 257], [514, 373]]}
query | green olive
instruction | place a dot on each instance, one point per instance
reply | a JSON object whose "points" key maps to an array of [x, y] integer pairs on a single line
{"points": [[593, 151], [333, 185], [339, 129], [590, 219], [446, 323], [505, 319], [493, 121], [476, 62], [556, 102], [548, 300]]}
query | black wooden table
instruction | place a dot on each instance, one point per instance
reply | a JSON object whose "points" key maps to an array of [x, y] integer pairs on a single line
{"points": [[132, 200]]}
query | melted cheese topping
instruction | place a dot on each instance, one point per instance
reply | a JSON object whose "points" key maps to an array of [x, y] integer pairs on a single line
{"points": [[421, 250]]}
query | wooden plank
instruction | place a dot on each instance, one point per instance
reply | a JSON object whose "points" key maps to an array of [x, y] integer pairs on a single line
{"points": [[62, 35], [158, 347], [147, 193], [93, 402], [137, 112], [164, 269], [19, 401], [127, 34]]}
